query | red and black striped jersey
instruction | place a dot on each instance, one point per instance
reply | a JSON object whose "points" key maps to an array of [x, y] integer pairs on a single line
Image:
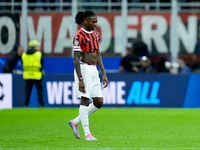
{"points": [[86, 41]]}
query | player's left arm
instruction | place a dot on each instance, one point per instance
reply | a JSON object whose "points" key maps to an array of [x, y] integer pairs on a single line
{"points": [[101, 67]]}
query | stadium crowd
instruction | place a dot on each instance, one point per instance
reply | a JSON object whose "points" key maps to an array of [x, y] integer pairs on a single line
{"points": [[138, 60], [52, 7]]}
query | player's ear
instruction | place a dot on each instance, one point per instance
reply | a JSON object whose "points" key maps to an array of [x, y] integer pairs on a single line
{"points": [[85, 21]]}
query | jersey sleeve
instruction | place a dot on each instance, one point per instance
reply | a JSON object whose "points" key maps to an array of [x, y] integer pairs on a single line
{"points": [[77, 42]]}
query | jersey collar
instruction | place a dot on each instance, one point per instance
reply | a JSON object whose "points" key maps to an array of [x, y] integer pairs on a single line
{"points": [[86, 31]]}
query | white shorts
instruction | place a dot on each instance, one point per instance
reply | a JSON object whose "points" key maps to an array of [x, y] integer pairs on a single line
{"points": [[91, 79]]}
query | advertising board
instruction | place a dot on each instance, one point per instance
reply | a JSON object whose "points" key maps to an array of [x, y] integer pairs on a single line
{"points": [[54, 32], [6, 91], [124, 90]]}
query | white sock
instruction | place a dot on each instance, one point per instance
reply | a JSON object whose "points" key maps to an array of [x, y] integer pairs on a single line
{"points": [[83, 113], [91, 110]]}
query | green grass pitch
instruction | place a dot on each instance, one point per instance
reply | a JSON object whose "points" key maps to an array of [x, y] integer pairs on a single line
{"points": [[115, 128]]}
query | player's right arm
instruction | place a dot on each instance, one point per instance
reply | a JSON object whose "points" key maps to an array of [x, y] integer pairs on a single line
{"points": [[77, 55]]}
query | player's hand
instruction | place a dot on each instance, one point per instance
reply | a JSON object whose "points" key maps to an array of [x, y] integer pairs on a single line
{"points": [[105, 81], [82, 86]]}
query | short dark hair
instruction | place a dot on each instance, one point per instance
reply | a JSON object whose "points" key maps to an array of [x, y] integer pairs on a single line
{"points": [[80, 16]]}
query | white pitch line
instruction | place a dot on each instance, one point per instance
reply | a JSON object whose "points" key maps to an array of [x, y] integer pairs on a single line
{"points": [[192, 148]]}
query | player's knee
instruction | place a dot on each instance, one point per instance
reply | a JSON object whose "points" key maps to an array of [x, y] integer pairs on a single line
{"points": [[85, 101], [98, 103]]}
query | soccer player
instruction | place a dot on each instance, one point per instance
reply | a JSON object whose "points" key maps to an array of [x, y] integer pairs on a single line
{"points": [[86, 75]]}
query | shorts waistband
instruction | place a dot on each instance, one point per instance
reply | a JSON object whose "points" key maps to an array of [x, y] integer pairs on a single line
{"points": [[81, 62]]}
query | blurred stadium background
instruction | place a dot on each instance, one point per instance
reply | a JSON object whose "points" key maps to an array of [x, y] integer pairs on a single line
{"points": [[170, 30]]}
